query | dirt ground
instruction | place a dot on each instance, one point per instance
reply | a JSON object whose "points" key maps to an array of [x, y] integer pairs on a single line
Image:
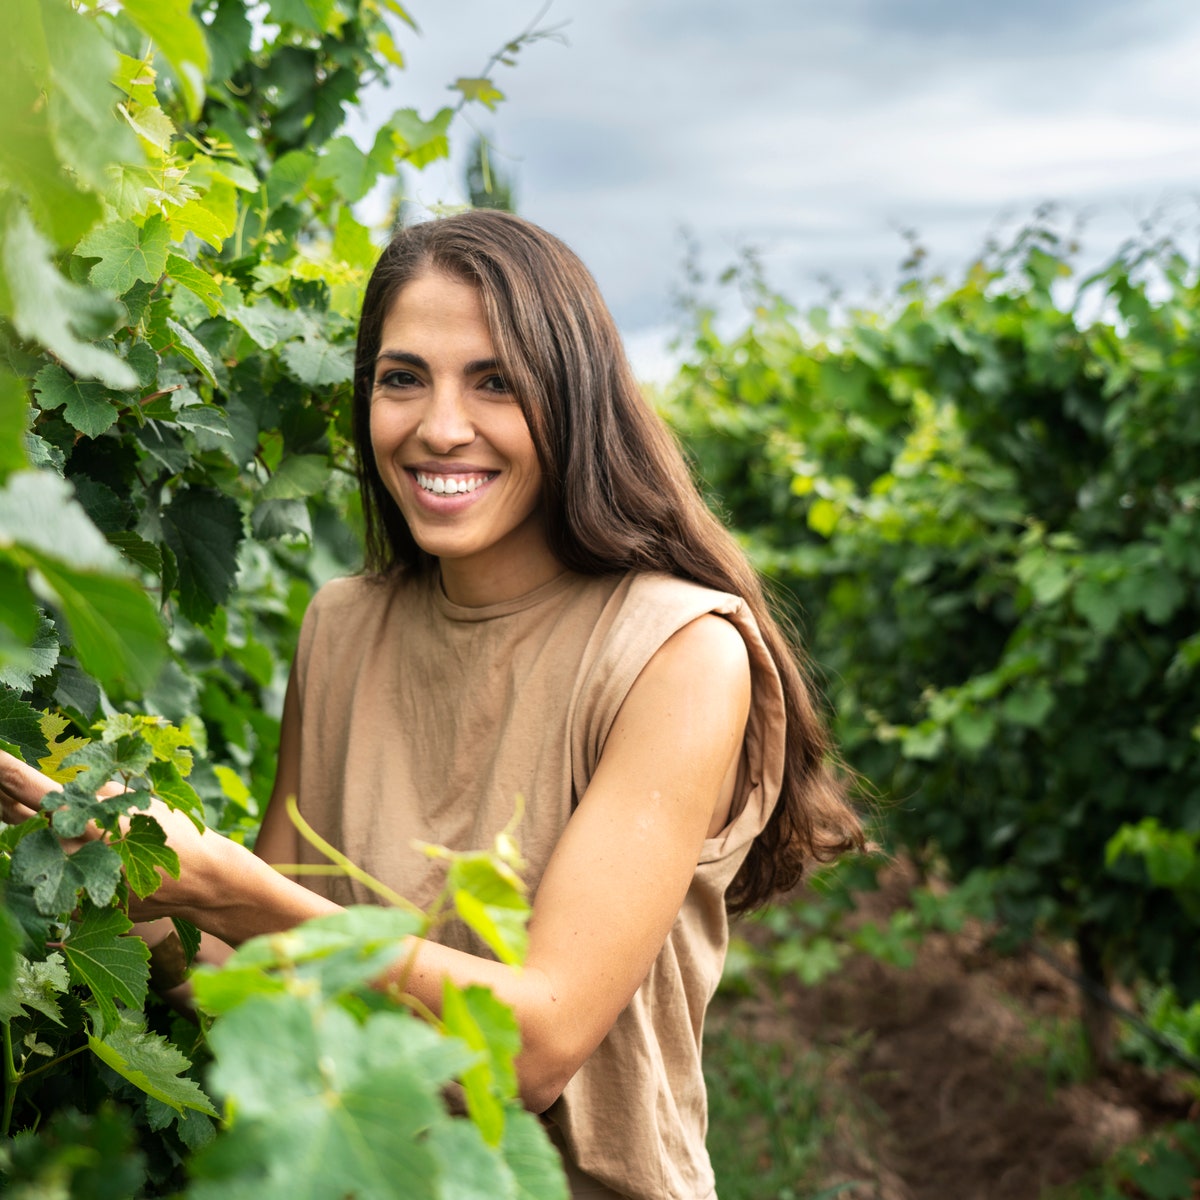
{"points": [[951, 1079]]}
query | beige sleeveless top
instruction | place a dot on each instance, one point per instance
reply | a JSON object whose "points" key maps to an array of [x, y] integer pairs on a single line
{"points": [[423, 720]]}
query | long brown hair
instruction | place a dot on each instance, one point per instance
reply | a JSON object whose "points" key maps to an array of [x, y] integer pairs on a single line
{"points": [[617, 493]]}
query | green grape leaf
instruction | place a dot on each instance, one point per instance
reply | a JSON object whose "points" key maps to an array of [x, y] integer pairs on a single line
{"points": [[341, 952], [298, 477], [151, 1063], [490, 1029], [417, 141], [127, 253], [143, 851], [12, 938], [219, 991], [49, 309], [203, 529], [346, 1111], [14, 420], [36, 986], [21, 726], [115, 629], [135, 77], [199, 282], [167, 784], [170, 743], [38, 510], [56, 877], [79, 102], [211, 217], [350, 171], [481, 90], [534, 1161], [27, 153], [490, 898], [180, 38], [39, 658], [185, 343], [151, 123], [112, 966], [206, 417], [477, 1171], [319, 363], [88, 405]]}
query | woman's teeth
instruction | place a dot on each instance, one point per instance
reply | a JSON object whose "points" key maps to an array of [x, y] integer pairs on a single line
{"points": [[450, 485]]}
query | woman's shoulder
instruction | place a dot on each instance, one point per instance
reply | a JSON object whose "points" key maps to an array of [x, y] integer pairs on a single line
{"points": [[658, 591], [358, 592]]}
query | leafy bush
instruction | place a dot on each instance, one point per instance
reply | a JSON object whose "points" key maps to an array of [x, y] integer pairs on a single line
{"points": [[982, 503], [180, 273]]}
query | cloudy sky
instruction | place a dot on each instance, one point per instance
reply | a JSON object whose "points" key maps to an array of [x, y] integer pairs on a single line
{"points": [[817, 132]]}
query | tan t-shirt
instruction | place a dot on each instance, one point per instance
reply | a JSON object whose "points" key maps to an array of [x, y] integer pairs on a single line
{"points": [[423, 720]]}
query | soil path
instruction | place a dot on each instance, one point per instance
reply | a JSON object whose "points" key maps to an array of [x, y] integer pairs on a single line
{"points": [[957, 1078]]}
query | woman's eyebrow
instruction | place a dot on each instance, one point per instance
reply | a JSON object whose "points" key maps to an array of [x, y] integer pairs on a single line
{"points": [[402, 356], [475, 367]]}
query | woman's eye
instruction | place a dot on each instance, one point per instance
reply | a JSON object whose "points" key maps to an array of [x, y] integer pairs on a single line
{"points": [[497, 384], [397, 379]]}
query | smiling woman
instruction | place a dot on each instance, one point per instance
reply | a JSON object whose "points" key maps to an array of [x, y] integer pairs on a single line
{"points": [[548, 611], [452, 445]]}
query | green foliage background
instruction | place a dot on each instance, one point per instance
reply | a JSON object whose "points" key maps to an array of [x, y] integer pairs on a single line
{"points": [[981, 502]]}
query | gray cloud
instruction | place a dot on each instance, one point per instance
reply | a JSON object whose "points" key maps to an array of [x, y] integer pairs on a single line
{"points": [[817, 131]]}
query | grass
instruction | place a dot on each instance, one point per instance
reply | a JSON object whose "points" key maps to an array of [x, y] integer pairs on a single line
{"points": [[769, 1117]]}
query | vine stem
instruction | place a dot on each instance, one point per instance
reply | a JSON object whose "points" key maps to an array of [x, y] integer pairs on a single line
{"points": [[55, 1061], [11, 1079]]}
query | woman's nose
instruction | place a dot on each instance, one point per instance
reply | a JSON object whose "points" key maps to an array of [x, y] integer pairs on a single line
{"points": [[445, 423]]}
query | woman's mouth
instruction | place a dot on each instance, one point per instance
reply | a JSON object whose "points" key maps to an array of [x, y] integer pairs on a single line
{"points": [[451, 485]]}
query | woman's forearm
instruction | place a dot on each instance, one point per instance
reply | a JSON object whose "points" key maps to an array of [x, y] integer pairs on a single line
{"points": [[235, 896]]}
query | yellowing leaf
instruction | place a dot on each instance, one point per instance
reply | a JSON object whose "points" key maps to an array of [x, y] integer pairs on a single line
{"points": [[52, 724], [180, 38], [135, 77], [151, 124], [211, 217], [482, 90]]}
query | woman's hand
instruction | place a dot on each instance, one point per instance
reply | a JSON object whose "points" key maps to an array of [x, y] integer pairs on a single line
{"points": [[204, 857], [21, 789]]}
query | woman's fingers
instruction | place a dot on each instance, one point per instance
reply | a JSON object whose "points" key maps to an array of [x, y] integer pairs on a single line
{"points": [[21, 789]]}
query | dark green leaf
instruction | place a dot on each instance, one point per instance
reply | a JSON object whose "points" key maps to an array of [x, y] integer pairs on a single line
{"points": [[40, 653], [151, 1063], [87, 405], [20, 726], [57, 877], [203, 529], [112, 966], [35, 985], [143, 851]]}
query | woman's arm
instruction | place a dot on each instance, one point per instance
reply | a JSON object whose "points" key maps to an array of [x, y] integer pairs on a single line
{"points": [[621, 869], [610, 893]]}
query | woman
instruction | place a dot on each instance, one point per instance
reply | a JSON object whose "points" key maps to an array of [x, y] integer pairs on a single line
{"points": [[548, 611]]}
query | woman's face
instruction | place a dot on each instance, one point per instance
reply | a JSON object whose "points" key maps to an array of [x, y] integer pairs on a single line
{"points": [[452, 444]]}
